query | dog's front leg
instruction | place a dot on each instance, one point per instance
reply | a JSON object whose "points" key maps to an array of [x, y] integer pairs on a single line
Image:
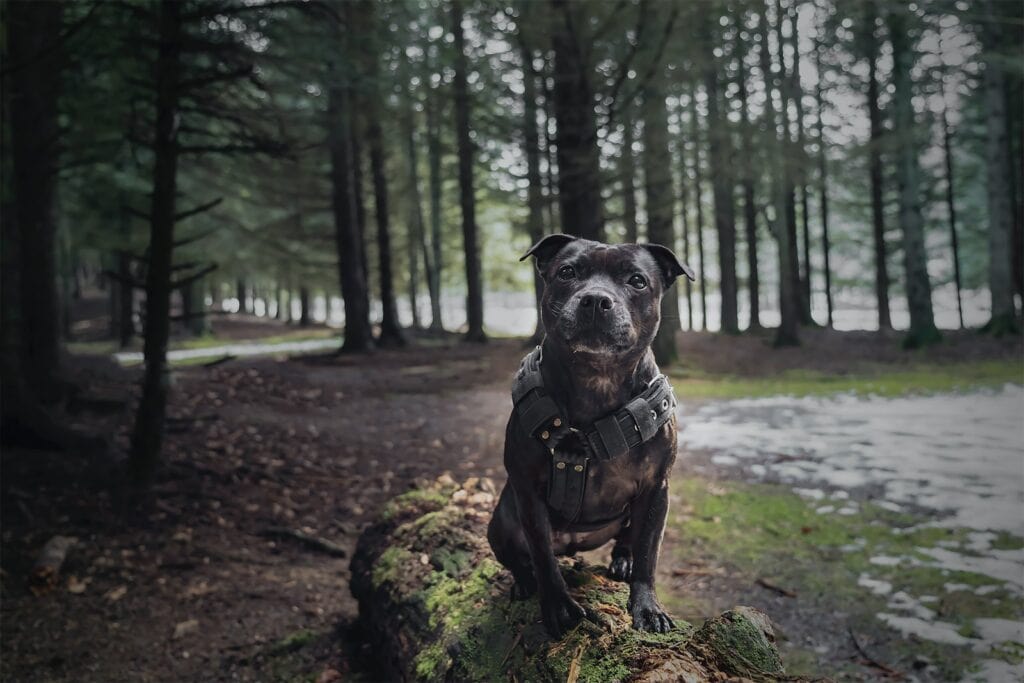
{"points": [[648, 520], [559, 611]]}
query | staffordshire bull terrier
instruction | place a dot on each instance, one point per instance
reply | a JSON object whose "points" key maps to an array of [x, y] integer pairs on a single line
{"points": [[592, 438]]}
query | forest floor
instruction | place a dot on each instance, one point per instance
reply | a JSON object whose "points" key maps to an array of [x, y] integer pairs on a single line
{"points": [[199, 582]]}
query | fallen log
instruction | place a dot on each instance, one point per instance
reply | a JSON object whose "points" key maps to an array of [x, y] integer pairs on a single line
{"points": [[435, 603]]}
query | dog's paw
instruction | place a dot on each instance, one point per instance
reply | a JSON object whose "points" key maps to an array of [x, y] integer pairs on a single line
{"points": [[648, 615], [561, 613], [523, 590], [621, 568]]}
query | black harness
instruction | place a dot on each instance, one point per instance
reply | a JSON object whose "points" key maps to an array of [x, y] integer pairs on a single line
{"points": [[610, 437]]}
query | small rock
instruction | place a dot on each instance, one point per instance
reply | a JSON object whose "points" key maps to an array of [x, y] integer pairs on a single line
{"points": [[76, 586], [183, 628], [424, 559], [116, 594]]}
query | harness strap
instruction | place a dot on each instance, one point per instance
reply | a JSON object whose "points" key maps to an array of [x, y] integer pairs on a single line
{"points": [[610, 437]]}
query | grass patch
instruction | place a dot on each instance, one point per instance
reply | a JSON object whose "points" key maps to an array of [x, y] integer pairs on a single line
{"points": [[765, 531], [871, 381]]}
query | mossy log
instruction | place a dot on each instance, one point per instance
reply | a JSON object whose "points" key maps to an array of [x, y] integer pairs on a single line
{"points": [[435, 604]]}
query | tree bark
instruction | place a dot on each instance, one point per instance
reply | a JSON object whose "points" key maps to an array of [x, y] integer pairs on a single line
{"points": [[432, 596], [352, 275], [698, 200], [787, 333], [659, 201], [467, 199], [579, 173], [148, 433], [877, 136], [915, 262], [33, 143], [1000, 209], [722, 188], [747, 181]]}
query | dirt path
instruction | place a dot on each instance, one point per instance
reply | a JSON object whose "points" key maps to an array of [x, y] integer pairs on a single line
{"points": [[194, 585]]}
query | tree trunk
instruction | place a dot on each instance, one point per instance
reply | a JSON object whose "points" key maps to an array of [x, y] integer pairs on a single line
{"points": [[390, 329], [474, 276], [915, 262], [194, 309], [579, 173], [954, 243], [659, 201], [305, 319], [1000, 209], [786, 156], [800, 173], [787, 333], [126, 300], [531, 149], [875, 166], [434, 265], [823, 183], [34, 33], [747, 181], [147, 436], [432, 595], [722, 188], [348, 242], [684, 211], [627, 170], [697, 191], [242, 294], [415, 237]]}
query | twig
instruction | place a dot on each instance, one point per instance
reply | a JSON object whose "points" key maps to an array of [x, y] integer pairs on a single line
{"points": [[321, 544], [515, 641], [899, 675], [765, 583]]}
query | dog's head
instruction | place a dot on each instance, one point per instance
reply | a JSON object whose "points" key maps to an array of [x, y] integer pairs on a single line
{"points": [[602, 299]]}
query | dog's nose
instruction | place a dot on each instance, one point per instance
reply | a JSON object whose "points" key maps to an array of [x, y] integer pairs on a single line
{"points": [[601, 301]]}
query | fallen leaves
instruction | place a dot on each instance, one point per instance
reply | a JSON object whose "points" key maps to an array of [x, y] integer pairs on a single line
{"points": [[116, 594]]}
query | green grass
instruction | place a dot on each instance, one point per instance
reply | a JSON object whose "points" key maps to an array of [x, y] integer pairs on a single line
{"points": [[766, 531], [879, 381]]}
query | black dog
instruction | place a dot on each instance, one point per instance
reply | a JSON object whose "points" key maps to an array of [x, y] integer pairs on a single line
{"points": [[592, 439]]}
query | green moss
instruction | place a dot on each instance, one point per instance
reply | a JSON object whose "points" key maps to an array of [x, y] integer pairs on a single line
{"points": [[868, 381], [419, 500], [294, 641], [392, 566], [741, 645]]}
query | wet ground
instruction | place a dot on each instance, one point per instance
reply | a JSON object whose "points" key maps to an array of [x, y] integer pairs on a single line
{"points": [[950, 463]]}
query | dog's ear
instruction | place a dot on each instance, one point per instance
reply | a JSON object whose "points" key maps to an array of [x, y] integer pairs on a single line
{"points": [[546, 249], [671, 267]]}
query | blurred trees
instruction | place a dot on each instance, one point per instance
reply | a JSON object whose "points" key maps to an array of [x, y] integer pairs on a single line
{"points": [[150, 140]]}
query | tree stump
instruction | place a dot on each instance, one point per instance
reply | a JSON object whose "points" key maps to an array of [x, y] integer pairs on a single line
{"points": [[435, 604]]}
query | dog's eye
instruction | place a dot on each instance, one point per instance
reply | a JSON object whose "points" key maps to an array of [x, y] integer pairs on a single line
{"points": [[566, 273], [638, 281]]}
